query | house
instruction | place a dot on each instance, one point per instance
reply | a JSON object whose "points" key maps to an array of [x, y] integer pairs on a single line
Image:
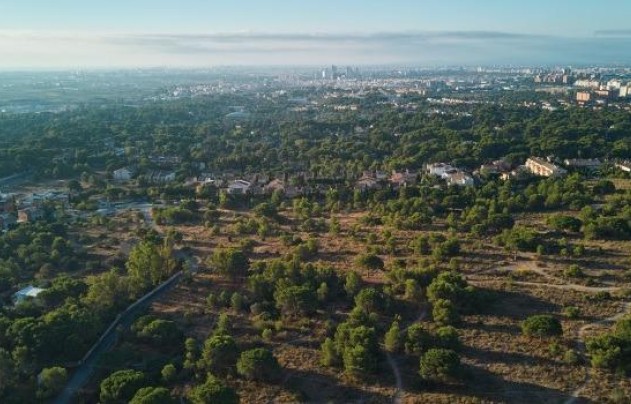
{"points": [[461, 179], [29, 292], [29, 215], [517, 173], [124, 174], [160, 177], [588, 164], [624, 166], [239, 187], [495, 168], [439, 169], [402, 179], [366, 183], [544, 168]]}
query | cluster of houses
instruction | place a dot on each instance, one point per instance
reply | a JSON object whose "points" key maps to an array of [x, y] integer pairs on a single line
{"points": [[125, 174], [451, 174], [30, 208]]}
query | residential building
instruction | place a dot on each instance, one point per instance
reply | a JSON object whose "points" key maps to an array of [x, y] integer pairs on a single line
{"points": [[29, 215], [160, 177], [624, 166], [29, 292], [543, 168], [239, 187], [439, 169], [460, 178], [590, 164], [124, 174], [403, 179]]}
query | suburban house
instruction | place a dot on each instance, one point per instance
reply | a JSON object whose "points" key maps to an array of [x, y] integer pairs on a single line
{"points": [[544, 168], [29, 292], [402, 179], [495, 168], [29, 215], [440, 169], [124, 174], [588, 164], [239, 187], [160, 177], [461, 179], [624, 166]]}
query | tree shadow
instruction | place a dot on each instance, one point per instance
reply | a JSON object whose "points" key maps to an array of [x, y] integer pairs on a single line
{"points": [[318, 388]]}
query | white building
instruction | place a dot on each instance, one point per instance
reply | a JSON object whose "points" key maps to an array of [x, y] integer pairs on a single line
{"points": [[461, 179], [26, 293], [543, 168], [123, 174], [440, 169], [239, 187]]}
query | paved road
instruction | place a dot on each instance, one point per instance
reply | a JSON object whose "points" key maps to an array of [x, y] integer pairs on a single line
{"points": [[82, 374]]}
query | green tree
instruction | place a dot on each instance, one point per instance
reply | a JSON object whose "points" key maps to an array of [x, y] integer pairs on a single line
{"points": [[168, 373], [51, 381], [258, 364], [392, 339], [295, 300], [232, 263], [152, 395], [121, 385], [444, 312], [352, 284], [213, 392], [329, 355], [440, 365], [219, 354]]}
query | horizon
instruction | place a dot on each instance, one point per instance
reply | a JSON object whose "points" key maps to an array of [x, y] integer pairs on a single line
{"points": [[192, 34]]}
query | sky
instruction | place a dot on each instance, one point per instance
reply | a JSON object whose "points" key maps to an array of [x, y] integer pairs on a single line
{"points": [[199, 33]]}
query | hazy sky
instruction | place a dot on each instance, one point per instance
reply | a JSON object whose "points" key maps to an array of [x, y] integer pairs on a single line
{"points": [[82, 33]]}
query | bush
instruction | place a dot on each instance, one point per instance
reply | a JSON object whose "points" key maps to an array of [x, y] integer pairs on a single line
{"points": [[258, 364], [541, 325], [219, 354], [51, 381], [444, 312]]}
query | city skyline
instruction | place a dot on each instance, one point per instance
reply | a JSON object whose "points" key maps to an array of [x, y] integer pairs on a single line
{"points": [[192, 33]]}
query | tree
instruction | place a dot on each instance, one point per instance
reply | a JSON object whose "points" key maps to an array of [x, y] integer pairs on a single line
{"points": [[295, 300], [258, 364], [329, 356], [168, 373], [121, 385], [149, 264], [438, 364], [541, 325], [162, 333], [417, 339], [232, 263], [392, 339], [352, 284], [370, 261], [213, 392], [51, 381], [219, 354], [358, 361], [444, 312], [152, 395], [369, 300]]}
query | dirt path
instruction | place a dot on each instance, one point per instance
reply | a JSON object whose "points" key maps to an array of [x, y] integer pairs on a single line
{"points": [[395, 366], [580, 345]]}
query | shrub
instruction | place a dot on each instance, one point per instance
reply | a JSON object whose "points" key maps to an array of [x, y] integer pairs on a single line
{"points": [[152, 395], [121, 386], [542, 325], [213, 391]]}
